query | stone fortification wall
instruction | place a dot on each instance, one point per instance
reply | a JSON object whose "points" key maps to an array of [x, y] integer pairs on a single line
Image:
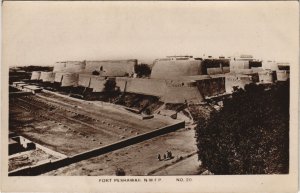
{"points": [[47, 76], [243, 72], [59, 66], [237, 80], [74, 66], [283, 65], [92, 81], [58, 77], [69, 79], [220, 70], [226, 69], [266, 76], [105, 67], [35, 75], [282, 75], [84, 80], [255, 64], [212, 71], [211, 86], [111, 67], [237, 66], [97, 83], [69, 66], [247, 71], [169, 91], [283, 72], [215, 66], [174, 69], [270, 65], [182, 94], [257, 69], [154, 87], [66, 78], [175, 91], [121, 83]]}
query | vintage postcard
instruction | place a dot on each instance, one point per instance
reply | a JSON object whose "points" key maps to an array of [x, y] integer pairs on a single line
{"points": [[152, 96]]}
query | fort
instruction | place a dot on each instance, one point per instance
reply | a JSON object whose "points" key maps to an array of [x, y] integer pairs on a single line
{"points": [[174, 79], [92, 108]]}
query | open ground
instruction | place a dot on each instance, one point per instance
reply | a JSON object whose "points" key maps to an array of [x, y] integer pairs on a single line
{"points": [[69, 126]]}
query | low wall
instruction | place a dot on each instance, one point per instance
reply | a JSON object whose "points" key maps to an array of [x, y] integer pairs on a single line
{"points": [[52, 165], [18, 94], [50, 151]]}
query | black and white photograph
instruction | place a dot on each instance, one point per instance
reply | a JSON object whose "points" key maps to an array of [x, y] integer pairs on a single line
{"points": [[150, 89]]}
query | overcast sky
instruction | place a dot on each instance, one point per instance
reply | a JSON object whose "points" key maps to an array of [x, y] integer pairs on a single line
{"points": [[41, 33]]}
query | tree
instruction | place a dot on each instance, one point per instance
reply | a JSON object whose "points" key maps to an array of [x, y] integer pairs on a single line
{"points": [[142, 70], [249, 135], [109, 85]]}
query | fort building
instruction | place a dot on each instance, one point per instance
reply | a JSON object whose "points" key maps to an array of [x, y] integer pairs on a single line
{"points": [[174, 79]]}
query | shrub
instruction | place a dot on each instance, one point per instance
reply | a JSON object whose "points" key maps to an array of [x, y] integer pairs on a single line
{"points": [[249, 135], [95, 72], [120, 172]]}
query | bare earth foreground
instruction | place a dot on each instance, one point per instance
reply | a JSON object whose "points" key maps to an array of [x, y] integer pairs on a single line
{"points": [[71, 126], [141, 158]]}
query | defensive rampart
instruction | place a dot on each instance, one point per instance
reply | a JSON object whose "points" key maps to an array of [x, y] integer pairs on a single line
{"points": [[169, 91], [111, 67], [97, 83], [237, 81], [66, 79], [35, 75], [238, 66], [174, 69], [47, 76], [211, 86], [84, 80], [142, 86], [282, 75], [266, 76], [178, 91]]}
